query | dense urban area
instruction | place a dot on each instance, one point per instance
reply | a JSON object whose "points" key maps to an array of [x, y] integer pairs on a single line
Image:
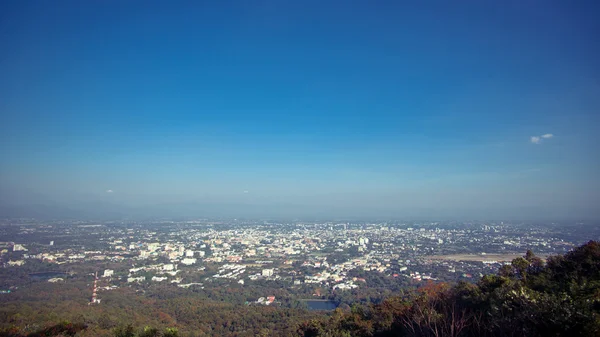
{"points": [[278, 268]]}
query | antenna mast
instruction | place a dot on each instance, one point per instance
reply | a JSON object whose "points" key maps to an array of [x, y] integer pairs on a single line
{"points": [[95, 299]]}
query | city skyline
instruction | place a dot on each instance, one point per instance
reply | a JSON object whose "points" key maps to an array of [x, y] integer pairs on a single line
{"points": [[470, 110]]}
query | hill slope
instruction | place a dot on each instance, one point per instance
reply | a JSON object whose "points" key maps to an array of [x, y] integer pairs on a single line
{"points": [[526, 298]]}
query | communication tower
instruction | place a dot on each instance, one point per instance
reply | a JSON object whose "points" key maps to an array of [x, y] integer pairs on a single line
{"points": [[95, 299]]}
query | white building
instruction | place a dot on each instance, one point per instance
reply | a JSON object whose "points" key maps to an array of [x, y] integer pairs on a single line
{"points": [[108, 273], [267, 272], [188, 261], [189, 253], [16, 263], [19, 248]]}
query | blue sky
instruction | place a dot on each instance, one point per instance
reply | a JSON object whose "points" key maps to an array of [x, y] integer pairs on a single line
{"points": [[297, 108]]}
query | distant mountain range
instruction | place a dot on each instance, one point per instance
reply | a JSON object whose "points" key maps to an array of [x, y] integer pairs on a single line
{"points": [[102, 210]]}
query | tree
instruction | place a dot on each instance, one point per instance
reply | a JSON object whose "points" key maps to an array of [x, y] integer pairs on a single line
{"points": [[124, 331], [171, 332], [149, 332], [520, 265]]}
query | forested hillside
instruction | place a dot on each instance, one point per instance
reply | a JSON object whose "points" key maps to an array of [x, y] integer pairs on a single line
{"points": [[527, 298], [530, 297]]}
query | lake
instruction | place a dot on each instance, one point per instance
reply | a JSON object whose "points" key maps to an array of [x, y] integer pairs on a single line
{"points": [[47, 275], [320, 304]]}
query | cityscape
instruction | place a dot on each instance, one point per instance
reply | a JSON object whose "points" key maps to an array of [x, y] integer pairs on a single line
{"points": [[321, 260], [299, 168]]}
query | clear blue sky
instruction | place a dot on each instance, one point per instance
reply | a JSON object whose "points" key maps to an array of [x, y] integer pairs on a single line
{"points": [[356, 108]]}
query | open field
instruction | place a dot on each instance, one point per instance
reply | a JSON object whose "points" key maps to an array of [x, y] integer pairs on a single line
{"points": [[478, 257]]}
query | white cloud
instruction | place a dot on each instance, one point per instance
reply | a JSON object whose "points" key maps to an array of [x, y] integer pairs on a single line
{"points": [[245, 191], [539, 139], [109, 191]]}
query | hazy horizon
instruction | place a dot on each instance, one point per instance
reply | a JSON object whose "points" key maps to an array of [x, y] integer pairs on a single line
{"points": [[332, 109]]}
